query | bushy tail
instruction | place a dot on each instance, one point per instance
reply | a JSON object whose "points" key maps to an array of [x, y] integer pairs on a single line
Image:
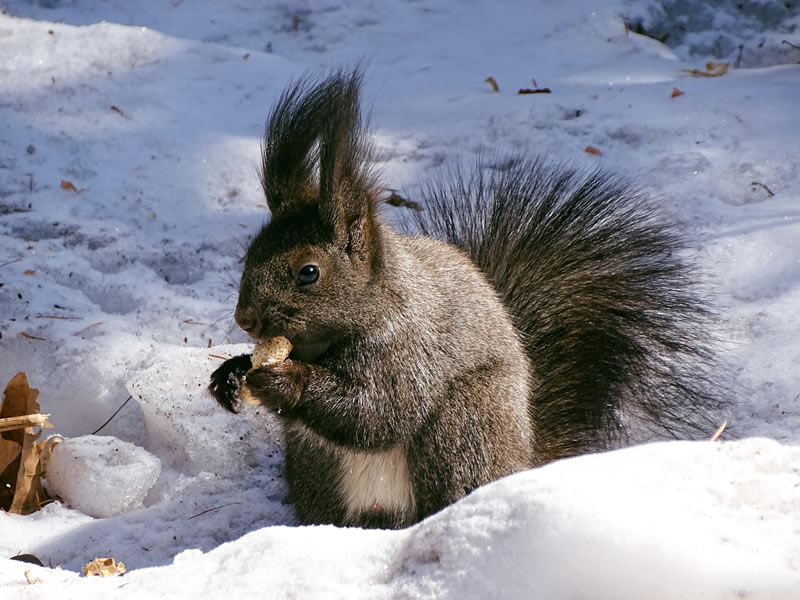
{"points": [[592, 276]]}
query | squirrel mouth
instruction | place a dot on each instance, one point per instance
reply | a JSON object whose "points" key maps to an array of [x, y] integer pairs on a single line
{"points": [[308, 351]]}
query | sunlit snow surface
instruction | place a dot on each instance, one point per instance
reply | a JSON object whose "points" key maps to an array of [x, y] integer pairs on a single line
{"points": [[153, 111]]}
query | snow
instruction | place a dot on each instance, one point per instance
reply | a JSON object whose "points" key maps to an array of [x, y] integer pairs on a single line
{"points": [[153, 111], [555, 532], [101, 476]]}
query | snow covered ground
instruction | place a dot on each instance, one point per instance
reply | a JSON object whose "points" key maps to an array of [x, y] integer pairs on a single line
{"points": [[153, 111]]}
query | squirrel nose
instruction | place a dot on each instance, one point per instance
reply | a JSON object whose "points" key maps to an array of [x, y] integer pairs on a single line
{"points": [[244, 321]]}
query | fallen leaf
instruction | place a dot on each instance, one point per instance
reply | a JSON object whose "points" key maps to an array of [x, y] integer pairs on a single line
{"points": [[21, 490], [46, 447], [29, 495], [31, 578], [396, 199], [676, 92], [32, 337], [29, 272], [592, 150], [493, 82], [535, 91], [67, 185], [103, 567], [31, 559], [713, 69]]}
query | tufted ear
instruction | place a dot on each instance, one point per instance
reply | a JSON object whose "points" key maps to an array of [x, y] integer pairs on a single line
{"points": [[315, 149], [290, 148]]}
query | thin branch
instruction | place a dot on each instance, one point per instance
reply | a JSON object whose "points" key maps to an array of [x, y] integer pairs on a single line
{"points": [[719, 431], [112, 416], [211, 509], [769, 191]]}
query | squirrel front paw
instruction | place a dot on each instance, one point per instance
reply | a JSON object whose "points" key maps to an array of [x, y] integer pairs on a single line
{"points": [[227, 379], [280, 386]]}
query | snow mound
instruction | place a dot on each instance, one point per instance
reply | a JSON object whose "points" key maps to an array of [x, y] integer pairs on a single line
{"points": [[661, 521], [528, 535], [183, 421], [101, 476]]}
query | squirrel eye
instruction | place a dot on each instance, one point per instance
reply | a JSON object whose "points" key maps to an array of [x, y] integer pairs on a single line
{"points": [[308, 274]]}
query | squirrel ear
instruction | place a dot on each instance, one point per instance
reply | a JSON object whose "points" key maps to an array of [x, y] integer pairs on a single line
{"points": [[360, 238], [347, 185], [316, 149], [289, 150]]}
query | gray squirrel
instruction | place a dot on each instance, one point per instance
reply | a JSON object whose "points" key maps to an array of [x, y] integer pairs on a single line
{"points": [[530, 313]]}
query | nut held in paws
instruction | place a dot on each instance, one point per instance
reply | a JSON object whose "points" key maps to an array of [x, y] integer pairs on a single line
{"points": [[271, 351], [268, 352]]}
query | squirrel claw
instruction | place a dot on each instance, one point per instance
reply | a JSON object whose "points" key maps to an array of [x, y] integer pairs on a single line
{"points": [[278, 387], [225, 382]]}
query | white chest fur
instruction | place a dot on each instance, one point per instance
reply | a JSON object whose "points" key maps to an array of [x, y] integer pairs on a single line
{"points": [[368, 480], [375, 481]]}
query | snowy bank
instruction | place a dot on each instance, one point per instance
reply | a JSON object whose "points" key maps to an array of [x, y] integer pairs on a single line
{"points": [[667, 520]]}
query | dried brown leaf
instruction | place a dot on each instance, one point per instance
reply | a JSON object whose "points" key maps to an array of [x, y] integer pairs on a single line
{"points": [[29, 495], [21, 489], [396, 199], [713, 69], [103, 567], [31, 578], [32, 337], [68, 185], [535, 91]]}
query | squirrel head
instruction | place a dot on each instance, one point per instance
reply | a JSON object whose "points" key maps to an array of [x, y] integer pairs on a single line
{"points": [[307, 274]]}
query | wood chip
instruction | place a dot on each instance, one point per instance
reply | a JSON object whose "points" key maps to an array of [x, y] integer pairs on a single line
{"points": [[21, 422]]}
